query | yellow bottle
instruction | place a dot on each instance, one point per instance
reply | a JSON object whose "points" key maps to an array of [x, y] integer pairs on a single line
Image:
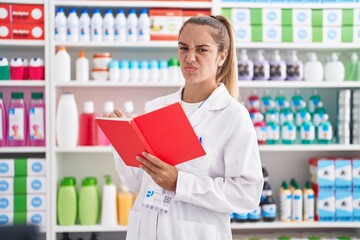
{"points": [[125, 201], [309, 203]]}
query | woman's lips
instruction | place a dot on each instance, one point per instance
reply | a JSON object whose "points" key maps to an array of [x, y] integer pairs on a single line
{"points": [[190, 69]]}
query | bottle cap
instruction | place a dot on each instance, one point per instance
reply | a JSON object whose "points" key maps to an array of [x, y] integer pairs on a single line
{"points": [[134, 64], [60, 10], [312, 56], [82, 54], [108, 107], [276, 56], [354, 57], [84, 10], [144, 10], [89, 107], [36, 62], [109, 10], [163, 64], [25, 62], [132, 11], [89, 181], [124, 64], [17, 95], [284, 185], [334, 57], [308, 185], [108, 180], [68, 181], [144, 64], [1, 95], [96, 10], [292, 56], [129, 106], [154, 64], [123, 189], [173, 62], [73, 10], [114, 64], [260, 56], [36, 95], [61, 49], [243, 55], [3, 61], [120, 10], [16, 62]]}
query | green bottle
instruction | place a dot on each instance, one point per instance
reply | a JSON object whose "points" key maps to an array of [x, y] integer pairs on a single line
{"points": [[4, 69], [351, 68], [288, 133], [315, 102], [89, 202], [67, 202], [297, 102], [324, 132]]}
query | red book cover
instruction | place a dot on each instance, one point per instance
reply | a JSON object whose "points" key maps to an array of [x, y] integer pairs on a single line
{"points": [[165, 133]]}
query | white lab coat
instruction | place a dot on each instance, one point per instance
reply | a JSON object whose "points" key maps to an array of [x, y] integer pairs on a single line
{"points": [[228, 179]]}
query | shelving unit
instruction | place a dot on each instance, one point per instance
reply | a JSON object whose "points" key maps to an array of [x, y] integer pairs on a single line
{"points": [[23, 83], [22, 43]]}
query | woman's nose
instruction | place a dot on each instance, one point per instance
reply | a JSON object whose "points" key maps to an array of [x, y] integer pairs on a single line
{"points": [[190, 57]]}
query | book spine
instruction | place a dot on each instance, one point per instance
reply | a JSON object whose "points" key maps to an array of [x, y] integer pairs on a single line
{"points": [[142, 138]]}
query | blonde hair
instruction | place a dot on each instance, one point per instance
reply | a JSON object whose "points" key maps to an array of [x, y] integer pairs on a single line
{"points": [[224, 36]]}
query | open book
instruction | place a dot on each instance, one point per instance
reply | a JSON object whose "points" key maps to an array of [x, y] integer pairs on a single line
{"points": [[165, 133]]}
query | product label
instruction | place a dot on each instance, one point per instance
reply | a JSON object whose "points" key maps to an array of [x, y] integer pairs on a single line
{"points": [[286, 117], [273, 132], [261, 133], [254, 215], [259, 71], [269, 210], [288, 132], [1, 124], [326, 206], [344, 206], [343, 175], [285, 206], [307, 132], [325, 132], [36, 124], [293, 71], [158, 199], [309, 206], [16, 124], [244, 71]]}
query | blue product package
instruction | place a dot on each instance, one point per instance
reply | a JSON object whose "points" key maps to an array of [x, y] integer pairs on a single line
{"points": [[344, 206]]}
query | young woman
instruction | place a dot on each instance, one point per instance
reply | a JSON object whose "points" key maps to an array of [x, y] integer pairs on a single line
{"points": [[193, 199]]}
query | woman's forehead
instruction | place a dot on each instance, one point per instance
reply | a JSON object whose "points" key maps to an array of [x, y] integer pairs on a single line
{"points": [[200, 34]]}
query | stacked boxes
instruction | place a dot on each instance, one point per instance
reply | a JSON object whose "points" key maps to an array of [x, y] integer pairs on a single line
{"points": [[22, 191]]}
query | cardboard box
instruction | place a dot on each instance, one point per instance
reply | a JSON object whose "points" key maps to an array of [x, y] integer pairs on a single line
{"points": [[301, 17], [347, 34], [165, 23], [356, 174], [332, 17], [256, 16], [322, 174], [302, 34], [22, 203], [271, 33], [5, 13], [28, 31], [317, 34], [240, 16], [287, 34], [344, 206], [5, 31], [286, 17], [316, 17], [23, 13], [188, 13], [256, 33], [343, 174], [325, 202], [356, 206], [271, 16], [36, 218], [22, 167], [347, 17], [242, 33], [22, 185], [331, 34]]}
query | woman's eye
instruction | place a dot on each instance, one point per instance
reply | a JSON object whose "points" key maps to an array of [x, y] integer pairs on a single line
{"points": [[202, 50], [183, 48]]}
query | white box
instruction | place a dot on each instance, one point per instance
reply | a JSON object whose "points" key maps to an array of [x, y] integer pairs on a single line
{"points": [[332, 17], [301, 17], [271, 16], [302, 34], [271, 34], [331, 34], [356, 206], [242, 33], [356, 174], [325, 206], [240, 16], [344, 206], [32, 202], [34, 167], [356, 34], [357, 17], [343, 174], [36, 218], [22, 185]]}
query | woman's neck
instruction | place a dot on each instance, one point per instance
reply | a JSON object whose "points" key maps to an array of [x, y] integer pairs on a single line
{"points": [[197, 93]]}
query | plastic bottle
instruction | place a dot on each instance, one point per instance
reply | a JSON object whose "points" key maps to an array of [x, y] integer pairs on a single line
{"points": [[286, 115], [82, 68], [3, 123], [240, 217], [120, 26], [37, 120], [89, 202], [88, 128], [36, 69], [288, 132], [124, 203], [26, 69], [307, 131], [272, 115], [16, 69], [294, 68], [108, 209], [318, 116], [281, 102], [325, 131], [245, 67], [73, 26], [114, 71], [60, 25], [134, 71], [108, 26], [253, 100], [163, 71], [351, 68], [297, 101], [67, 202], [256, 115], [144, 26], [268, 207], [301, 116], [313, 69], [96, 26], [309, 203], [255, 215], [174, 70], [334, 69], [285, 202], [154, 73], [124, 71], [62, 65], [261, 67], [129, 109], [67, 121], [102, 139], [267, 102], [17, 124], [260, 128], [84, 26], [314, 102], [297, 203], [277, 67], [132, 26], [144, 71], [272, 132], [266, 191], [4, 69]]}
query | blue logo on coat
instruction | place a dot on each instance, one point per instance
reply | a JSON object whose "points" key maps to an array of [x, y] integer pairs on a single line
{"points": [[149, 193]]}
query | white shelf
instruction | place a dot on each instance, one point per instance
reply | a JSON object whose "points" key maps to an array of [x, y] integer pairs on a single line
{"points": [[138, 4], [23, 1], [305, 46], [22, 83], [308, 148], [151, 44], [90, 149], [294, 225], [22, 149], [91, 83], [22, 43], [297, 84], [339, 5], [96, 228]]}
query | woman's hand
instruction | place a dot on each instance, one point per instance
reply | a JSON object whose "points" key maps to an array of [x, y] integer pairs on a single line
{"points": [[117, 113], [162, 173]]}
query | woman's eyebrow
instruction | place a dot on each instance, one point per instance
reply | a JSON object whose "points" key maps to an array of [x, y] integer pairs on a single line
{"points": [[202, 45]]}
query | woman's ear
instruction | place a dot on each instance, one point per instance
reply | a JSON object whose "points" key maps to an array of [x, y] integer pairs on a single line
{"points": [[222, 57]]}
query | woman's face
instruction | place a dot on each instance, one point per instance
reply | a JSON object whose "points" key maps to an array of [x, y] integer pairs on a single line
{"points": [[198, 54]]}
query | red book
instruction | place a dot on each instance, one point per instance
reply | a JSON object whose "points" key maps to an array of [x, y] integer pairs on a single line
{"points": [[165, 133]]}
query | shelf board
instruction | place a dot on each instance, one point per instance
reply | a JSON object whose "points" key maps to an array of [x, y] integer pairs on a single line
{"points": [[22, 83], [229, 4], [92, 83], [138, 4], [23, 1], [308, 148], [294, 225], [90, 149], [96, 228], [22, 149], [151, 44], [297, 84], [305, 46], [22, 43]]}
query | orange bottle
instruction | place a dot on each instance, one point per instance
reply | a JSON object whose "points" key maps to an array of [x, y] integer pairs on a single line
{"points": [[125, 201]]}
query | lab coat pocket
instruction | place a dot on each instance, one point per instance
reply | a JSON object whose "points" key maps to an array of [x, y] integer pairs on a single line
{"points": [[133, 226], [186, 230]]}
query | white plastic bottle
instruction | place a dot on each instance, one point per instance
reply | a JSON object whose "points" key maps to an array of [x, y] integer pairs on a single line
{"points": [[120, 26], [261, 67], [285, 202], [132, 26], [108, 26], [309, 203], [154, 71], [134, 71], [297, 204], [174, 70], [96, 26], [67, 121], [82, 68], [163, 71], [108, 210], [124, 71], [277, 67], [144, 26], [72, 26], [114, 71], [334, 69], [144, 71], [84, 26], [62, 65], [60, 25], [313, 69]]}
